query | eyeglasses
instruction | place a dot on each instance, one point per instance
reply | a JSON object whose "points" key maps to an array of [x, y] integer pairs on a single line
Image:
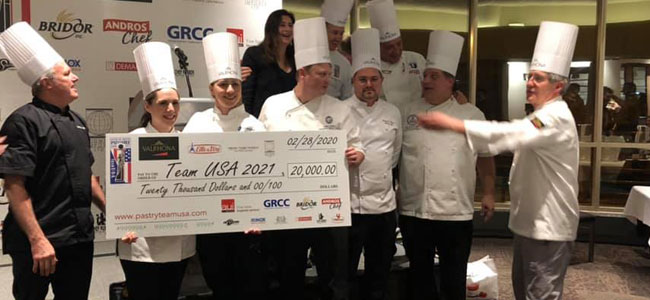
{"points": [[538, 78]]}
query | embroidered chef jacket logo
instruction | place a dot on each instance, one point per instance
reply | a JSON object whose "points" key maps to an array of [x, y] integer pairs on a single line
{"points": [[537, 123], [412, 120]]}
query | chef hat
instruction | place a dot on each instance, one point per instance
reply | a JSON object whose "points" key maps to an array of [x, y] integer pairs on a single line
{"points": [[336, 12], [383, 17], [28, 52], [365, 49], [554, 48], [444, 51], [222, 56], [155, 67], [310, 42]]}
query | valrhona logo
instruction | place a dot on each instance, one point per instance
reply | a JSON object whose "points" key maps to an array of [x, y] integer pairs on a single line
{"points": [[66, 26], [158, 148]]}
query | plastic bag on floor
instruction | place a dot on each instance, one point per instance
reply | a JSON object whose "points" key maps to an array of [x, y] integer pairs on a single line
{"points": [[482, 280]]}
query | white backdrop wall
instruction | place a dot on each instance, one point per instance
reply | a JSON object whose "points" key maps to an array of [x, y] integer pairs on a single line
{"points": [[97, 39]]}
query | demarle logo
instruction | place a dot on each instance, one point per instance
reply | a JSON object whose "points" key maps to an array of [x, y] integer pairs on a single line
{"points": [[205, 148], [227, 205], [158, 148], [120, 66], [304, 219], [239, 33], [66, 26], [306, 203], [5, 64], [135, 32]]}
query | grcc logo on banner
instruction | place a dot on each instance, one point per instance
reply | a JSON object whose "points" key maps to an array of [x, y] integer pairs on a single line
{"points": [[277, 203], [176, 32]]}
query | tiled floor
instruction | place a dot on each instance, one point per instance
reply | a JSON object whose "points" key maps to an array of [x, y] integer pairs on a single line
{"points": [[618, 272]]}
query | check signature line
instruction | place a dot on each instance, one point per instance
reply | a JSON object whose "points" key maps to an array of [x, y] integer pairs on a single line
{"points": [[238, 194]]}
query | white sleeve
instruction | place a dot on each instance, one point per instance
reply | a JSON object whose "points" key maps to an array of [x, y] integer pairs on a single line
{"points": [[497, 137]]}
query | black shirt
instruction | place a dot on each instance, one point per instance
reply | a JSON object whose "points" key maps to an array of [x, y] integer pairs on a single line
{"points": [[267, 79], [51, 149]]}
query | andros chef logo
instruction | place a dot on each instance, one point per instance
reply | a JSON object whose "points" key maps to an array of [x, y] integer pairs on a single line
{"points": [[120, 160]]}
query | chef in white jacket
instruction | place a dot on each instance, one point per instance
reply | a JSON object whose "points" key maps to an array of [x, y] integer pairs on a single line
{"points": [[402, 70], [307, 107], [372, 198], [336, 14], [154, 266], [233, 264], [438, 179], [544, 210]]}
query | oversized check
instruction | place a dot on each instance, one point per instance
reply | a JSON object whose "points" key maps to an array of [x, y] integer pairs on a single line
{"points": [[187, 183]]}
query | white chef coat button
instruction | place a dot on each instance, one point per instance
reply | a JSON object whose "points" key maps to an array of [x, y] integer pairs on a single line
{"points": [[453, 171], [453, 192]]}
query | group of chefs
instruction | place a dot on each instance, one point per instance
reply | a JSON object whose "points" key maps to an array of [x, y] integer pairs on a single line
{"points": [[398, 110]]}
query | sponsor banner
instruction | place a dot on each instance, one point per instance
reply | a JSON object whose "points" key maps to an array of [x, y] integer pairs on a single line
{"points": [[66, 25], [131, 32], [103, 59], [176, 184], [121, 66]]}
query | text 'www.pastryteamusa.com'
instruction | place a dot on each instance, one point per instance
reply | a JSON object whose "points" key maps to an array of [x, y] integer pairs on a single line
{"points": [[161, 216]]}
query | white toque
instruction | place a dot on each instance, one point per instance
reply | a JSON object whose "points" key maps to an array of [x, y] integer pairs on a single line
{"points": [[554, 48], [155, 67], [222, 56], [28, 52], [444, 51], [336, 12], [383, 17], [365, 49], [310, 42]]}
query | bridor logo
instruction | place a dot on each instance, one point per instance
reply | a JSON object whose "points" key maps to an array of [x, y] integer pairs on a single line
{"points": [[135, 32], [66, 26]]}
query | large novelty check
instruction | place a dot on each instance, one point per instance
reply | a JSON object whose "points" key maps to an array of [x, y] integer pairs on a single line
{"points": [[175, 184]]}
